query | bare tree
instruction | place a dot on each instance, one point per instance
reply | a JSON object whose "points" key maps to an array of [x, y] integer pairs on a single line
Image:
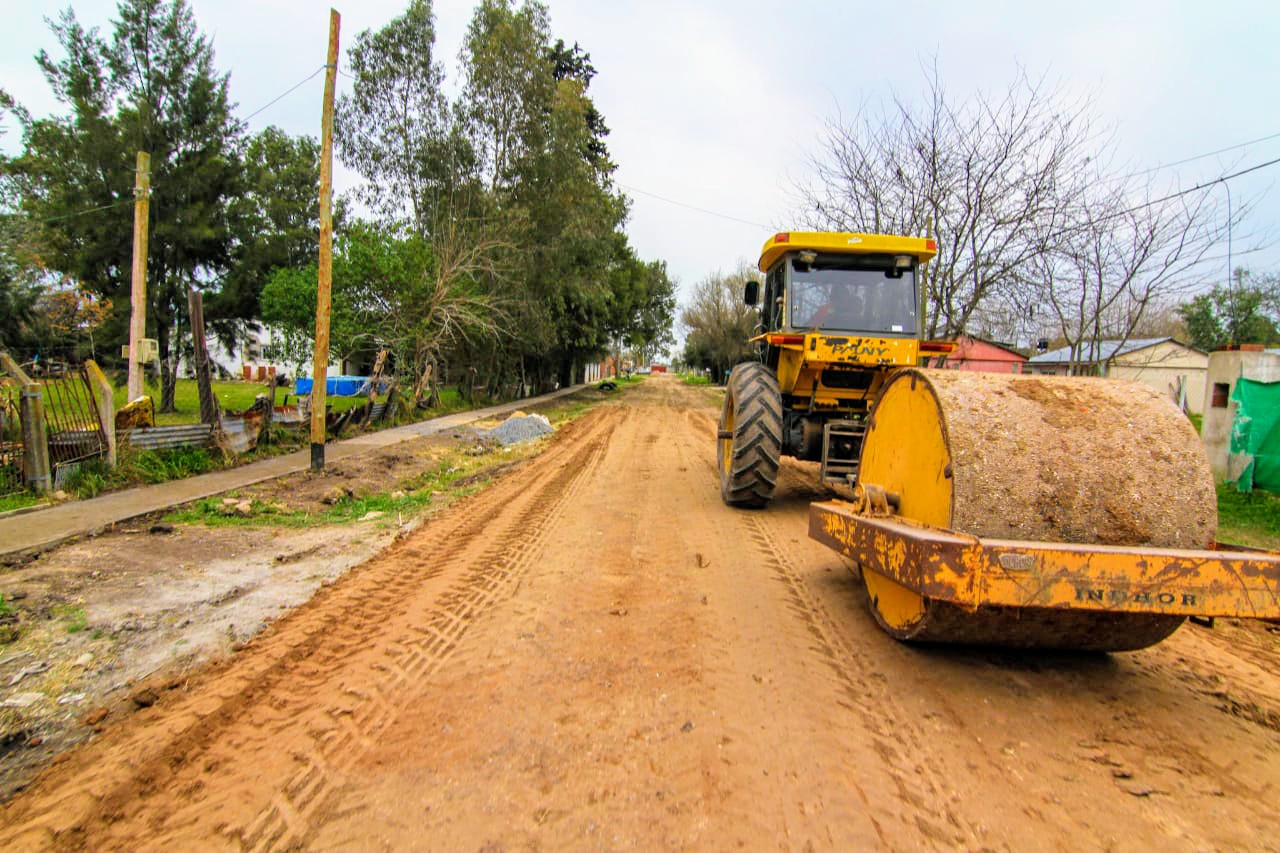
{"points": [[986, 177], [1033, 235], [717, 324], [1100, 278]]}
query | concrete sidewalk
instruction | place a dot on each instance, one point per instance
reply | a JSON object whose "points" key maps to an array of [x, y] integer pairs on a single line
{"points": [[39, 530]]}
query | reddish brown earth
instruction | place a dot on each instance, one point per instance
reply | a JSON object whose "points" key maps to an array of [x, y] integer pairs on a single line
{"points": [[596, 654]]}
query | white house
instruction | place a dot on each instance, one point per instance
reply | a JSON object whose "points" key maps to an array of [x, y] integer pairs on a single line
{"points": [[1165, 364]]}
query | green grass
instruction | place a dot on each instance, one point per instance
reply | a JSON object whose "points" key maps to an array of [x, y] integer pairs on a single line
{"points": [[1251, 519], [18, 500], [235, 396], [1196, 420], [412, 496], [9, 625], [695, 379]]}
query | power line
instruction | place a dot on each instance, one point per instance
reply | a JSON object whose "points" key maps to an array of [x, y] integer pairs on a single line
{"points": [[1170, 197], [287, 92], [693, 207], [1186, 160], [83, 212], [1219, 180]]}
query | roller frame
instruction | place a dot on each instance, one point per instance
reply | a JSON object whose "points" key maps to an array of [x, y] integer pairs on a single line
{"points": [[971, 572]]}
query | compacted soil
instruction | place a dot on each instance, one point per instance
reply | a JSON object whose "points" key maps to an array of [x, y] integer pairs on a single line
{"points": [[595, 653]]}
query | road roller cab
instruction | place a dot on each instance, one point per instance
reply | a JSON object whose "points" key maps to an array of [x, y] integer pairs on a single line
{"points": [[835, 312], [838, 312]]}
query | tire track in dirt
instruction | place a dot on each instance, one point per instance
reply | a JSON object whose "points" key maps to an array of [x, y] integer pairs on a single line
{"points": [[533, 737], [866, 694], [300, 655], [291, 820], [786, 728], [296, 811]]}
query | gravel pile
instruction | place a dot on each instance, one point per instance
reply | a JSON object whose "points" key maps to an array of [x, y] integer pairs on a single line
{"points": [[517, 429]]}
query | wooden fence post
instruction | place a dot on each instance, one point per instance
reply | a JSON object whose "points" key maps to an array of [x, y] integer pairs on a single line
{"points": [[102, 397], [210, 410], [265, 434]]}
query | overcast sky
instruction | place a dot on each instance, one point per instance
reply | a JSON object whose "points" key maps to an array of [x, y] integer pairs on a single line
{"points": [[717, 105]]}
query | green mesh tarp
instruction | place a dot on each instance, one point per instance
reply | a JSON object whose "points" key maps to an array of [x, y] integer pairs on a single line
{"points": [[1255, 434]]}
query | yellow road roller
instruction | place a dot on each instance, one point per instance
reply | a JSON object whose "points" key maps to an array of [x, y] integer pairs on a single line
{"points": [[995, 509]]}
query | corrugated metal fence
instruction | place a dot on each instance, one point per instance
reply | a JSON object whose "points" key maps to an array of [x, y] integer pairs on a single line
{"points": [[166, 437]]}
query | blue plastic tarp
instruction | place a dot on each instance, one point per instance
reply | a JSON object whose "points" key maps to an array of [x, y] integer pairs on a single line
{"points": [[334, 386]]}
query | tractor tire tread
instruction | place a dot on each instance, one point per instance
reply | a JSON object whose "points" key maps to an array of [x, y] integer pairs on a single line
{"points": [[757, 436]]}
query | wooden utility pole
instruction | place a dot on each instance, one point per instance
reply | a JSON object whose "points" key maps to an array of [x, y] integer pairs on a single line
{"points": [[210, 411], [138, 320], [320, 371]]}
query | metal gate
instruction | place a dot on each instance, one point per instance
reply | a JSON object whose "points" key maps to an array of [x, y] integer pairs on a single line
{"points": [[71, 412], [12, 474]]}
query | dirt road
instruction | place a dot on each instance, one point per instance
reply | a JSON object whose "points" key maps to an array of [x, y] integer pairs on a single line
{"points": [[595, 653]]}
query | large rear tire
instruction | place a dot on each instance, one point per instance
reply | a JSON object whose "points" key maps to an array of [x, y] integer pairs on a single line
{"points": [[749, 443]]}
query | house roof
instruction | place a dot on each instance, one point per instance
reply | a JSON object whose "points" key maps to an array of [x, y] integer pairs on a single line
{"points": [[1106, 350], [1006, 347]]}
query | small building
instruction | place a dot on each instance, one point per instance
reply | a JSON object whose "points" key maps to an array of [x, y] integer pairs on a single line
{"points": [[979, 354], [598, 370], [1167, 365], [1225, 367], [247, 356]]}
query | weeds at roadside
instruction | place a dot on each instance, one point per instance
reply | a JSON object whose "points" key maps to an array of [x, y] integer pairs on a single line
{"points": [[454, 476], [161, 466], [74, 618], [695, 379], [9, 630], [93, 477], [90, 479]]}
